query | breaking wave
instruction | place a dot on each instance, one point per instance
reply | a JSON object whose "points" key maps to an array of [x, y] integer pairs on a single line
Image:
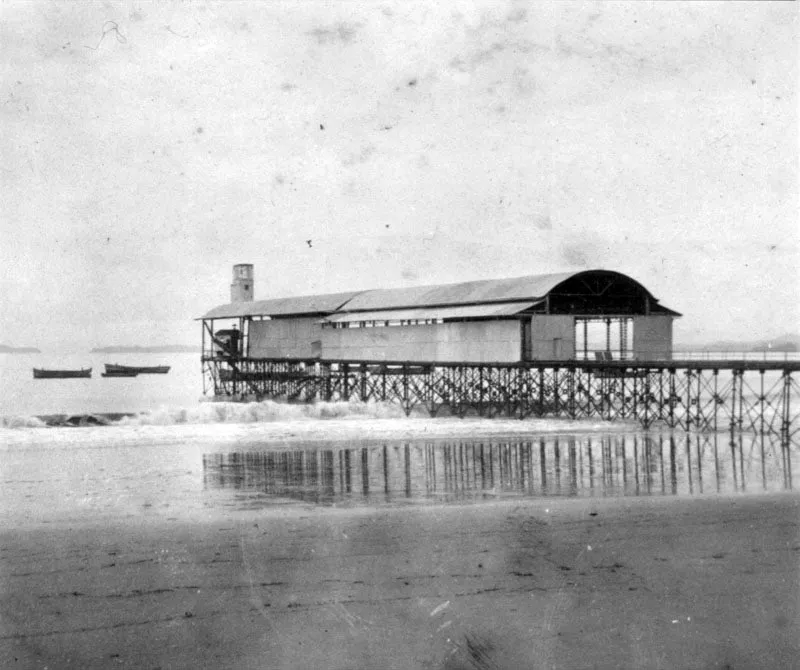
{"points": [[266, 411], [22, 422]]}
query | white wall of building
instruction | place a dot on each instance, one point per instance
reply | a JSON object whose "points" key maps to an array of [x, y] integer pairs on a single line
{"points": [[289, 338], [552, 337], [475, 341], [652, 337]]}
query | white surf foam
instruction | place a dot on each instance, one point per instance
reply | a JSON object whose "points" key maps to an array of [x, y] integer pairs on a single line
{"points": [[266, 411]]}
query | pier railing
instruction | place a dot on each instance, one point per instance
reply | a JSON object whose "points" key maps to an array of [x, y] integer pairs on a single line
{"points": [[744, 395], [776, 356]]}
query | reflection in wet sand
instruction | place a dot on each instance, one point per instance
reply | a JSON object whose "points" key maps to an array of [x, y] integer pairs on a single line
{"points": [[428, 472]]}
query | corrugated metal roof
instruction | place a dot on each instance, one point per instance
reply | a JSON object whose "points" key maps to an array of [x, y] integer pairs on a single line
{"points": [[307, 304], [491, 290], [529, 288], [420, 313]]}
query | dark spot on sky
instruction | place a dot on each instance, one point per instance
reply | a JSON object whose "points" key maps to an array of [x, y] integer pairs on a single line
{"points": [[199, 130], [308, 242], [286, 86], [753, 82], [412, 82], [280, 179], [321, 127], [387, 127]]}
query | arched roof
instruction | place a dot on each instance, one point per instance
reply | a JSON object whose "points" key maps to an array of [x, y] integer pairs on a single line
{"points": [[532, 288]]}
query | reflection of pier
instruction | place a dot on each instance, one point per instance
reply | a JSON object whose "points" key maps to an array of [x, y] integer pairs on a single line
{"points": [[553, 466]]}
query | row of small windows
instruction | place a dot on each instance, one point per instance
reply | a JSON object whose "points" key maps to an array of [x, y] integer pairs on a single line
{"points": [[382, 324]]}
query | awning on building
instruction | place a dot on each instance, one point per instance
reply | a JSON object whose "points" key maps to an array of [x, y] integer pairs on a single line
{"points": [[426, 313]]}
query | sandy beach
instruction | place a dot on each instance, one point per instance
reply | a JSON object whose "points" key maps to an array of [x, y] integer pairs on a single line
{"points": [[710, 582]]}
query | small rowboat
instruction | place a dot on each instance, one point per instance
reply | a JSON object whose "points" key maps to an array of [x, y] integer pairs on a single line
{"points": [[83, 373], [141, 370]]}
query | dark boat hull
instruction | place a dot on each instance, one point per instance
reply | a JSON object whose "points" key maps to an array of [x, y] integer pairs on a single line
{"points": [[141, 370], [120, 373], [84, 373]]}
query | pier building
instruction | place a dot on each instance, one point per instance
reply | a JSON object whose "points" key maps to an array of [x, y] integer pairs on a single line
{"points": [[593, 314], [587, 344]]}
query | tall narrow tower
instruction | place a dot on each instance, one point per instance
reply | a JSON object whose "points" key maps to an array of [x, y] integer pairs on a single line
{"points": [[242, 286]]}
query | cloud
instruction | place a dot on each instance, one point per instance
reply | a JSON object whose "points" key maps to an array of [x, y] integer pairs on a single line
{"points": [[361, 157], [543, 222], [343, 33], [518, 15], [577, 254]]}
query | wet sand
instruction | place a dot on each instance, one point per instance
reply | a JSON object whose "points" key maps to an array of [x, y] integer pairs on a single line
{"points": [[559, 583]]}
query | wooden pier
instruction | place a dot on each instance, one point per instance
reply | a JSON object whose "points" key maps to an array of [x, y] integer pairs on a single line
{"points": [[702, 395]]}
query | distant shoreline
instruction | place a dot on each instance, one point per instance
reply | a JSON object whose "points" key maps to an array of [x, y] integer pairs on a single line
{"points": [[170, 349], [5, 349]]}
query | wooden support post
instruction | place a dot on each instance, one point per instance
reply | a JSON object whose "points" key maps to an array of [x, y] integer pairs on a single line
{"points": [[362, 373], [406, 405], [481, 392], [786, 428], [734, 397], [586, 339]]}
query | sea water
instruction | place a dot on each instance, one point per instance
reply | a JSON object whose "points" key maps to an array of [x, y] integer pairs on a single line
{"points": [[25, 396], [180, 457]]}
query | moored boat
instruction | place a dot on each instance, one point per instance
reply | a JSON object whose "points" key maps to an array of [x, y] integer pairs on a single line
{"points": [[142, 370], [120, 373], [83, 373]]}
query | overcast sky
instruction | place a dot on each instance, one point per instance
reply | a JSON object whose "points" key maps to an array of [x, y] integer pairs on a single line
{"points": [[147, 147]]}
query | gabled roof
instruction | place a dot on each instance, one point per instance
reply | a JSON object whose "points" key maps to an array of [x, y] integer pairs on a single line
{"points": [[466, 293], [307, 304]]}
